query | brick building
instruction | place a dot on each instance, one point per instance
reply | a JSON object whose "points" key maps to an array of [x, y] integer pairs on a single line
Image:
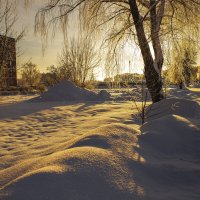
{"points": [[8, 74]]}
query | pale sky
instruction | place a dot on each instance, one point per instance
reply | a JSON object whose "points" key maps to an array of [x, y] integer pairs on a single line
{"points": [[31, 45]]}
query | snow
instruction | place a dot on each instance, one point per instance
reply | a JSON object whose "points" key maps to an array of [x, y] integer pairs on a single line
{"points": [[89, 150], [68, 91]]}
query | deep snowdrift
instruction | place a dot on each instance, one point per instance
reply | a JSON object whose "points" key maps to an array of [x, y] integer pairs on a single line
{"points": [[114, 162], [68, 91], [92, 166]]}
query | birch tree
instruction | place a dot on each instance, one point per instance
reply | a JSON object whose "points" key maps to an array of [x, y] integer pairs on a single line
{"points": [[79, 60], [30, 75]]}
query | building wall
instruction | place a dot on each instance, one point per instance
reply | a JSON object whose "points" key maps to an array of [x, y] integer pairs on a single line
{"points": [[8, 61]]}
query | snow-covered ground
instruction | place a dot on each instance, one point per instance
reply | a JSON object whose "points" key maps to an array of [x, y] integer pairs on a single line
{"points": [[95, 150]]}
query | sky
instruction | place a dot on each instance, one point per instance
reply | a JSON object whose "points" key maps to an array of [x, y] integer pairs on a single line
{"points": [[31, 45]]}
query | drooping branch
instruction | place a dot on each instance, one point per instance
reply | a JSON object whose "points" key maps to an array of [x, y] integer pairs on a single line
{"points": [[114, 1], [145, 3], [142, 39]]}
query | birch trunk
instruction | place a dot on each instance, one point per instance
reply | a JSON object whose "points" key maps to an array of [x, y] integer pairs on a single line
{"points": [[153, 66]]}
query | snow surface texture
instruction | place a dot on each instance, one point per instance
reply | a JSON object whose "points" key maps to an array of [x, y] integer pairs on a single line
{"points": [[68, 91], [115, 162]]}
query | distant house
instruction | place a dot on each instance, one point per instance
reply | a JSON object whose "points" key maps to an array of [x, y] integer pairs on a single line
{"points": [[128, 78], [8, 74]]}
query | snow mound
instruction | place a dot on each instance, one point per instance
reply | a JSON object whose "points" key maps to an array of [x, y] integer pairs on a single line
{"points": [[88, 167], [177, 106], [172, 135], [171, 128], [68, 91], [115, 162], [170, 144]]}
